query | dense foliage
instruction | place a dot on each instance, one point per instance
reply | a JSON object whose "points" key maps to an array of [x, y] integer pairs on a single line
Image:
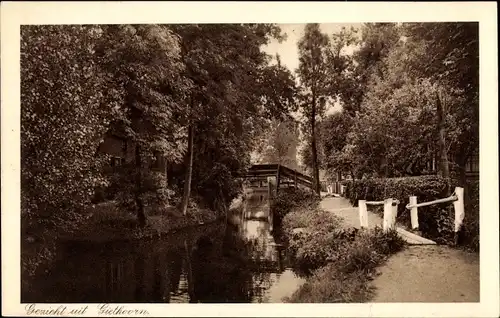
{"points": [[62, 118], [236, 90], [63, 90], [289, 199], [194, 96], [387, 95], [201, 96], [399, 117]]}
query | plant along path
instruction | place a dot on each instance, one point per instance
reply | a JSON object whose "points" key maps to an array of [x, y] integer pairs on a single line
{"points": [[420, 273]]}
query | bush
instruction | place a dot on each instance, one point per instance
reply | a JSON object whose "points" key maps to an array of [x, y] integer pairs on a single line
{"points": [[314, 219], [436, 222], [339, 261], [323, 239], [329, 285], [348, 262], [426, 188], [315, 244], [289, 199], [385, 243]]}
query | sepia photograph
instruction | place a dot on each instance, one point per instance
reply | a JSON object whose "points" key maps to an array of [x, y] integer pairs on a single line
{"points": [[249, 163]]}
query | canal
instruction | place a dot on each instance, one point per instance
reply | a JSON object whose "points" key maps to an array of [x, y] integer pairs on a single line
{"points": [[241, 261]]}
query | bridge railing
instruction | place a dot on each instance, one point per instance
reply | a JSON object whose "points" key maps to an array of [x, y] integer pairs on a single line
{"points": [[279, 172]]}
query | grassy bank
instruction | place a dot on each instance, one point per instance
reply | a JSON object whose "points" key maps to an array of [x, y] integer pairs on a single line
{"points": [[289, 199], [339, 262]]}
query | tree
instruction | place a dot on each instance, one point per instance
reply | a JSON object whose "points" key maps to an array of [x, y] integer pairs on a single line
{"points": [[375, 43], [312, 71], [67, 103], [395, 106], [63, 115], [145, 61], [234, 89], [344, 82], [334, 132], [452, 54], [280, 145]]}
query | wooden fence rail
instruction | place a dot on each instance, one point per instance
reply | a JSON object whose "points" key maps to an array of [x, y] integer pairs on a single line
{"points": [[458, 204], [391, 208], [281, 173]]}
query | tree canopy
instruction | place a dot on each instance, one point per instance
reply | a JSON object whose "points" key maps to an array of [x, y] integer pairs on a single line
{"points": [[389, 94]]}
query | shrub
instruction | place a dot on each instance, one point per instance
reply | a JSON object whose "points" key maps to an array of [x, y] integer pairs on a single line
{"points": [[312, 247], [314, 219], [385, 243], [289, 199], [426, 188], [348, 268], [329, 285], [324, 240], [339, 261]]}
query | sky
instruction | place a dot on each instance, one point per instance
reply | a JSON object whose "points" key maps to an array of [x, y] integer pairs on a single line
{"points": [[289, 51]]}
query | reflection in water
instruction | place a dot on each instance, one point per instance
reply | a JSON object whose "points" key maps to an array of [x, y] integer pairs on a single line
{"points": [[214, 263]]}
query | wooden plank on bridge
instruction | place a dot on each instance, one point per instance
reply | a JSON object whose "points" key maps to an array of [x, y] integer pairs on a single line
{"points": [[281, 173], [292, 174]]}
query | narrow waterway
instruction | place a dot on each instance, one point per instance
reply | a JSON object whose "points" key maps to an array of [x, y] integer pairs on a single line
{"points": [[239, 262]]}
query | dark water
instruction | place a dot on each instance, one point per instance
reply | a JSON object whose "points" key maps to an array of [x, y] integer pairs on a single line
{"points": [[239, 262]]}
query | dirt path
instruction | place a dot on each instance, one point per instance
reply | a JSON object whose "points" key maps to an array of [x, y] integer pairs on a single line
{"points": [[342, 208], [429, 274], [420, 273]]}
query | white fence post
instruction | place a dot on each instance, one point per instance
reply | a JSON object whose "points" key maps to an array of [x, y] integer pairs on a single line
{"points": [[414, 213], [363, 213], [388, 219], [459, 208], [394, 214]]}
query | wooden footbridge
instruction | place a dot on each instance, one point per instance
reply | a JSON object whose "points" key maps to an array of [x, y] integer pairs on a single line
{"points": [[284, 176]]}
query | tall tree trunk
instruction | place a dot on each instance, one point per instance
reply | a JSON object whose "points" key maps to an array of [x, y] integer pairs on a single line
{"points": [[444, 170], [315, 167], [141, 214], [189, 172], [443, 156]]}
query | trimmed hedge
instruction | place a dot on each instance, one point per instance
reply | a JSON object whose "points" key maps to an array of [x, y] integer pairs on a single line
{"points": [[470, 236], [426, 188], [436, 221]]}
